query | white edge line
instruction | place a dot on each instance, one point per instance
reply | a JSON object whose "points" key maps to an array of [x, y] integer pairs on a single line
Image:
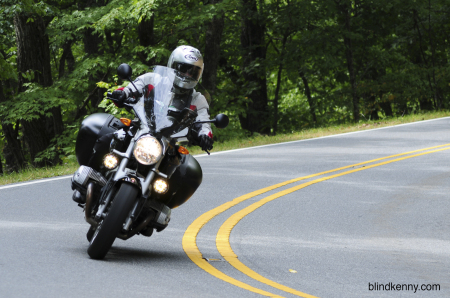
{"points": [[330, 136], [247, 148], [35, 182]]}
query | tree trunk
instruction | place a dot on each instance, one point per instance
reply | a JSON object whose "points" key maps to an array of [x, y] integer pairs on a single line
{"points": [[67, 57], [12, 151], [372, 106], [92, 48], [276, 100], [350, 66], [55, 123], [146, 38], [311, 102], [33, 52], [386, 107], [424, 103], [254, 51], [277, 89], [91, 42], [33, 55], [213, 36]]}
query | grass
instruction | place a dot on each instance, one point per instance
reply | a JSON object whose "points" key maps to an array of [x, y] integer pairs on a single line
{"points": [[70, 167], [38, 173]]}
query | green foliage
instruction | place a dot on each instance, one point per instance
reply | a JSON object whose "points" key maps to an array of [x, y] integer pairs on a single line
{"points": [[108, 105], [34, 102], [62, 147], [398, 50]]}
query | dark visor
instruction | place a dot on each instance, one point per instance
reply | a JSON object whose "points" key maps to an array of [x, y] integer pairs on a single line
{"points": [[188, 69]]}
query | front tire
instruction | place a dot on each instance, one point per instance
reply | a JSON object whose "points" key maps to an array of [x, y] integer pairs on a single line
{"points": [[112, 224], [90, 233]]}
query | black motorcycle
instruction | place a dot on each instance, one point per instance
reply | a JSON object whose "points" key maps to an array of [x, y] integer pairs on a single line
{"points": [[133, 172]]}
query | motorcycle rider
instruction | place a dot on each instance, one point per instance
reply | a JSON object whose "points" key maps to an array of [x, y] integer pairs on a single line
{"points": [[188, 64]]}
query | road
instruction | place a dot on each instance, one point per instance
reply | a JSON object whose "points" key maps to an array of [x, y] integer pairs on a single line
{"points": [[353, 215]]}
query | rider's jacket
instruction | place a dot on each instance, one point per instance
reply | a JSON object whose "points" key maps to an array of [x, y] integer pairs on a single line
{"points": [[198, 101]]}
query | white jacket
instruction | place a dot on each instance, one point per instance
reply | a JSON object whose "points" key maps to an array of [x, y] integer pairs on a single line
{"points": [[198, 101]]}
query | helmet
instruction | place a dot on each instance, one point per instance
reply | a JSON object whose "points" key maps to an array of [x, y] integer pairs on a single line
{"points": [[188, 64]]}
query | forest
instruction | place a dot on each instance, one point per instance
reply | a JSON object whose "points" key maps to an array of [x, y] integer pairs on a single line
{"points": [[273, 66]]}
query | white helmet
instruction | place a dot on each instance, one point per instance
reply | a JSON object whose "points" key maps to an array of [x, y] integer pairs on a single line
{"points": [[188, 64]]}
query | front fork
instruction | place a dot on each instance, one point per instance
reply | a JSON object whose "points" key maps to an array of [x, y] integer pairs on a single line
{"points": [[144, 183]]}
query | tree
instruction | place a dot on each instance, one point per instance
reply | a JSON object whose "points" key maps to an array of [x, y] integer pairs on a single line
{"points": [[12, 151], [253, 46], [272, 66], [213, 36], [33, 65]]}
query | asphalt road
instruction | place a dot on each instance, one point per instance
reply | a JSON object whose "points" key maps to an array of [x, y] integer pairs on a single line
{"points": [[353, 232]]}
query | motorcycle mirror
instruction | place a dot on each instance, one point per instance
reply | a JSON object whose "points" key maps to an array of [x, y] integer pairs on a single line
{"points": [[221, 121], [124, 71]]}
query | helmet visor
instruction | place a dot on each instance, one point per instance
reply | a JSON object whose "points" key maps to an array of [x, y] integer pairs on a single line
{"points": [[187, 70]]}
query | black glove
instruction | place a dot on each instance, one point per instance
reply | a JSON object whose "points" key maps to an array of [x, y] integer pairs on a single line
{"points": [[118, 97], [205, 142]]}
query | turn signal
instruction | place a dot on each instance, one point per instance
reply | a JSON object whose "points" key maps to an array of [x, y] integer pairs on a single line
{"points": [[183, 150], [125, 121]]}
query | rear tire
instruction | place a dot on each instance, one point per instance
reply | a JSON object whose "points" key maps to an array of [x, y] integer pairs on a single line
{"points": [[112, 224]]}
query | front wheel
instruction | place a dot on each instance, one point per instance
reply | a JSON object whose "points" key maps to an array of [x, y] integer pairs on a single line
{"points": [[90, 233], [112, 224]]}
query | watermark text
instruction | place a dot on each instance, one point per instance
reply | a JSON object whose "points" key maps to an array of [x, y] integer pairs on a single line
{"points": [[390, 286]]}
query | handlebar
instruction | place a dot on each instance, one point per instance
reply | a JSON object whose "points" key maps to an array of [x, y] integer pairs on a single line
{"points": [[127, 101], [131, 101]]}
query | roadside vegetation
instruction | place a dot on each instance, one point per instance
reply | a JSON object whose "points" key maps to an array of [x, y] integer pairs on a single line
{"points": [[281, 70], [70, 165]]}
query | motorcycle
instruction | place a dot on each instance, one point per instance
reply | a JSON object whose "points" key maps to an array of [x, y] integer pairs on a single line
{"points": [[134, 172]]}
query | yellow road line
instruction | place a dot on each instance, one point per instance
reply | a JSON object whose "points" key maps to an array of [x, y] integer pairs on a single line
{"points": [[189, 241], [223, 235], [191, 249]]}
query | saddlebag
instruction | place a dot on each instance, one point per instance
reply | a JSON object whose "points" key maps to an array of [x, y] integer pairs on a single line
{"points": [[184, 181], [94, 139]]}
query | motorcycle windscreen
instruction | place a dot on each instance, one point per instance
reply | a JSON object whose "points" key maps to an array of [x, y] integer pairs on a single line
{"points": [[163, 95]]}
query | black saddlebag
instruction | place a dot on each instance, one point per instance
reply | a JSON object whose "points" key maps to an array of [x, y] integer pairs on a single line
{"points": [[94, 139], [183, 183]]}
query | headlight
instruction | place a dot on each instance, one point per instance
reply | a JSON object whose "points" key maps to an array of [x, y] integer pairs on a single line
{"points": [[147, 150]]}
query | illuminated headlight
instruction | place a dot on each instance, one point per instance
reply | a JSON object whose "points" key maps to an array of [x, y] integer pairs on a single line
{"points": [[147, 150], [110, 161], [160, 186]]}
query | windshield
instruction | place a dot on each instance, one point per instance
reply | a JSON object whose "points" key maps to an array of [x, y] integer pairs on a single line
{"points": [[157, 106], [160, 96]]}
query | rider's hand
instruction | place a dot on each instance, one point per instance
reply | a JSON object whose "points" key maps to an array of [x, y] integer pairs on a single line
{"points": [[205, 142], [131, 100], [118, 97]]}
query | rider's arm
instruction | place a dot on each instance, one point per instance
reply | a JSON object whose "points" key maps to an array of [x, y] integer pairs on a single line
{"points": [[199, 101], [140, 83]]}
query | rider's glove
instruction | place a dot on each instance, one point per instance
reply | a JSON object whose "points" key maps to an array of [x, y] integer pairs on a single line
{"points": [[118, 97], [205, 142]]}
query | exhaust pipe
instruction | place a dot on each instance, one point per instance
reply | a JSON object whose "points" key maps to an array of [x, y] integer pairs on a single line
{"points": [[88, 206]]}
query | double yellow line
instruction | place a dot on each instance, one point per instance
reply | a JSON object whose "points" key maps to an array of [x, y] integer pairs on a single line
{"points": [[223, 235]]}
